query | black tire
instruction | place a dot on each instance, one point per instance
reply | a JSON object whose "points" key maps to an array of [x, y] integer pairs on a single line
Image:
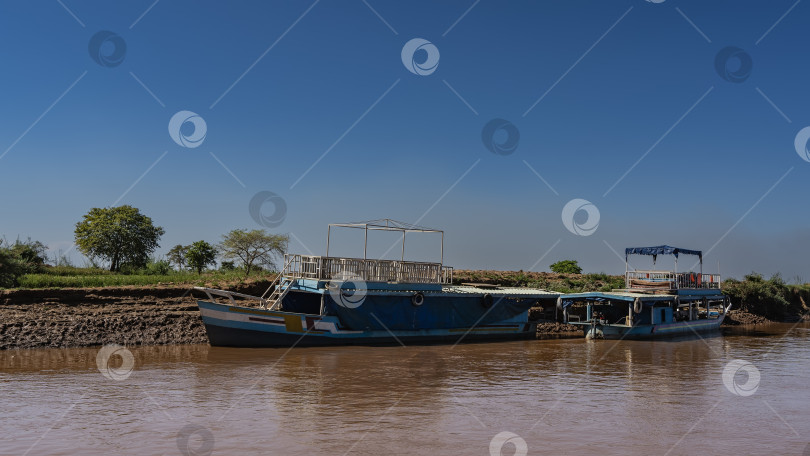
{"points": [[417, 299], [486, 301]]}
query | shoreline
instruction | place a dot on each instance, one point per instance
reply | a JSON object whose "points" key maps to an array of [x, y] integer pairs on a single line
{"points": [[158, 315]]}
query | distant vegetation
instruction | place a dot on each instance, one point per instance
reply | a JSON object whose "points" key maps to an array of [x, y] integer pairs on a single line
{"points": [[118, 243], [564, 283]]}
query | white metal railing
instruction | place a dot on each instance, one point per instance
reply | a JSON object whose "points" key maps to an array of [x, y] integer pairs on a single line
{"points": [[670, 280], [327, 268], [211, 292]]}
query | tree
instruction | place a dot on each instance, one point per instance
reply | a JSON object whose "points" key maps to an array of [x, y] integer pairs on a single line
{"points": [[566, 267], [200, 254], [120, 235], [177, 255], [255, 247]]}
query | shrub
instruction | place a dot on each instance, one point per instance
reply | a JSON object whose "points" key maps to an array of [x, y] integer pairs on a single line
{"points": [[566, 267]]}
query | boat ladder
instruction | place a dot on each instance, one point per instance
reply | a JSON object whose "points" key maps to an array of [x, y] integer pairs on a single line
{"points": [[280, 287]]}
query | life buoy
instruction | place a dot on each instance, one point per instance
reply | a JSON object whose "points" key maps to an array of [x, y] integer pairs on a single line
{"points": [[418, 299], [486, 301], [637, 305]]}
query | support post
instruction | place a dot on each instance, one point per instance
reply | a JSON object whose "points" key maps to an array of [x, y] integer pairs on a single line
{"points": [[365, 242], [328, 235], [441, 259], [403, 245]]}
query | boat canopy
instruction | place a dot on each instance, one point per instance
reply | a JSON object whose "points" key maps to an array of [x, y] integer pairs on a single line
{"points": [[661, 250], [385, 225]]}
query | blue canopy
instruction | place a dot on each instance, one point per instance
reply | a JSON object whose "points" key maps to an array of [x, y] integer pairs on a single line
{"points": [[661, 250]]}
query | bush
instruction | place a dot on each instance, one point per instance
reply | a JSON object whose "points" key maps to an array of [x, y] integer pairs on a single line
{"points": [[18, 259], [769, 298], [158, 267], [566, 267]]}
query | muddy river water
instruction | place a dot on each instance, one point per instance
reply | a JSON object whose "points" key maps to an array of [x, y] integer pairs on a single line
{"points": [[738, 393]]}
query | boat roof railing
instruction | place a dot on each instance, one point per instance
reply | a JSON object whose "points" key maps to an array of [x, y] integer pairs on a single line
{"points": [[385, 225]]}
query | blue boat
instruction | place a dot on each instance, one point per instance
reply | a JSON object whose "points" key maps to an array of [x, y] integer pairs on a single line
{"points": [[328, 300], [654, 303]]}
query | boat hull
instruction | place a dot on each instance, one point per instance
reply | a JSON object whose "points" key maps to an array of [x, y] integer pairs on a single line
{"points": [[661, 331], [235, 326]]}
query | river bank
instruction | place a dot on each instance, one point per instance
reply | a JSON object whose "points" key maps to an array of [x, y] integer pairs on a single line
{"points": [[161, 315]]}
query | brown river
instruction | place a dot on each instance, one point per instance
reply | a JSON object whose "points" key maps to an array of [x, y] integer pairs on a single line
{"points": [[738, 393]]}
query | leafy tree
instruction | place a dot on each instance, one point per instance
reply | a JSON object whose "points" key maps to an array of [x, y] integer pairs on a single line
{"points": [[253, 248], [177, 255], [120, 235], [566, 267], [227, 266], [200, 254]]}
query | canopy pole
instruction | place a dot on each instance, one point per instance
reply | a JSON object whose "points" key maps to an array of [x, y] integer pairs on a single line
{"points": [[403, 245], [441, 259], [365, 242], [328, 235]]}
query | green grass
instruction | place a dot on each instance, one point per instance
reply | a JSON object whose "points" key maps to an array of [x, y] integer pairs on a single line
{"points": [[90, 277]]}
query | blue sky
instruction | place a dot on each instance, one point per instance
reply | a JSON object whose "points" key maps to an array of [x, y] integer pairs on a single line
{"points": [[597, 90]]}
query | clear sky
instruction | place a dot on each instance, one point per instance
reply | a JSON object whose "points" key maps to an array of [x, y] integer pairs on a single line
{"points": [[675, 121]]}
